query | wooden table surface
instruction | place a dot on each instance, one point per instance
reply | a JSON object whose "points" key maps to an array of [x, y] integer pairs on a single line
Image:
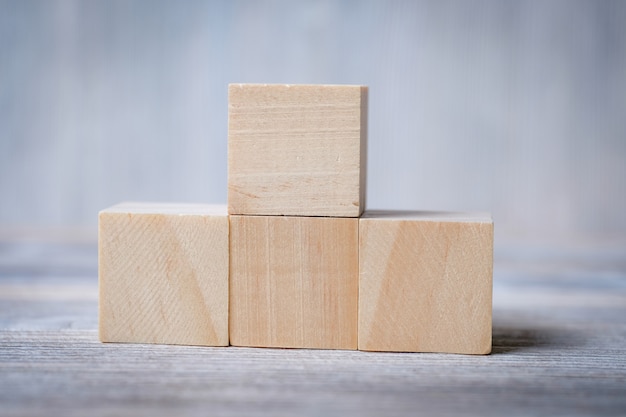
{"points": [[559, 348]]}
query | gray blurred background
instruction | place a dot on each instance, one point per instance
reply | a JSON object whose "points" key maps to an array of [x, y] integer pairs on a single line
{"points": [[513, 107]]}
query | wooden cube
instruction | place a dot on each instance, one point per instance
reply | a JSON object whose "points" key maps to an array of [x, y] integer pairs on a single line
{"points": [[293, 282], [297, 150], [425, 282], [163, 274]]}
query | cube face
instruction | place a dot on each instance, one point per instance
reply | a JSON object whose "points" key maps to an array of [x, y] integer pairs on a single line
{"points": [[297, 150], [294, 282], [425, 283], [163, 274]]}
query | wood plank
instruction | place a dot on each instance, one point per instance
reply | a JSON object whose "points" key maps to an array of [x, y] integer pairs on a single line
{"points": [[297, 149], [425, 282], [163, 273], [558, 358], [293, 282]]}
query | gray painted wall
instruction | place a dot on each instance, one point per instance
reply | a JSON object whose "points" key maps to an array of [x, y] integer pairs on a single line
{"points": [[514, 107]]}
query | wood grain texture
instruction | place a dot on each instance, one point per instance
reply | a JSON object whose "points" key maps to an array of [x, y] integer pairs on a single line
{"points": [[163, 273], [293, 282], [425, 282], [559, 349], [297, 150]]}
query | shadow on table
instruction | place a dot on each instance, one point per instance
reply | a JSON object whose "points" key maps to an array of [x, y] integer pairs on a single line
{"points": [[508, 339]]}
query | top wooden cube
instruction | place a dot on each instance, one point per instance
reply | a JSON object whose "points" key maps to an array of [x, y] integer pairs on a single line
{"points": [[297, 150]]}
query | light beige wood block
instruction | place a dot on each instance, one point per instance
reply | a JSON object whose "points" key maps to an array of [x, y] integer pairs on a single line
{"points": [[163, 274], [293, 282], [297, 149], [425, 282]]}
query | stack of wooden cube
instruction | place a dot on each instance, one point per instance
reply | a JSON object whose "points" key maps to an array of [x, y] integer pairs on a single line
{"points": [[294, 261]]}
